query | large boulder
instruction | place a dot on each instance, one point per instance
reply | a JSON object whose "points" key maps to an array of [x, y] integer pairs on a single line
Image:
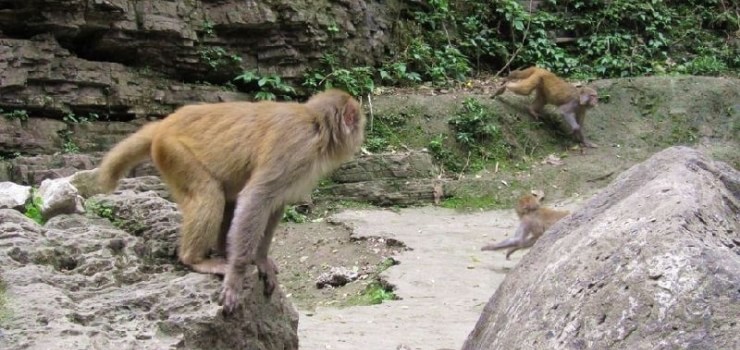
{"points": [[112, 280], [651, 262]]}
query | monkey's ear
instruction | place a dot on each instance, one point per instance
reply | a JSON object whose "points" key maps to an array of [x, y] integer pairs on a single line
{"points": [[350, 116]]}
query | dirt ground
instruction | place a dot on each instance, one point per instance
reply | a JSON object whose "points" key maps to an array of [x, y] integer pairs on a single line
{"points": [[305, 251], [443, 279]]}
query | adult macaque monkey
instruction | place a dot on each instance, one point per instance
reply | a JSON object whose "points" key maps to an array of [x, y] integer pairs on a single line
{"points": [[534, 221], [572, 102], [254, 157]]}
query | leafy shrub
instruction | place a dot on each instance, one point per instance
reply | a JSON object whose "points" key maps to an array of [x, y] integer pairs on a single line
{"points": [[292, 215], [612, 39], [441, 151], [269, 87], [216, 57], [357, 81], [33, 207], [19, 114], [478, 131], [397, 73]]}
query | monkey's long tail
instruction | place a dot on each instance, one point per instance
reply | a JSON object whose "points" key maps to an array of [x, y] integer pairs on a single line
{"points": [[125, 155]]}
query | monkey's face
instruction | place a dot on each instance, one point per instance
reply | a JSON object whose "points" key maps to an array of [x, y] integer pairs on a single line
{"points": [[527, 203], [589, 97]]}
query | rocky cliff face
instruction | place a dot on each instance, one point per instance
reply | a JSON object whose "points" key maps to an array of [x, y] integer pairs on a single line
{"points": [[127, 58]]}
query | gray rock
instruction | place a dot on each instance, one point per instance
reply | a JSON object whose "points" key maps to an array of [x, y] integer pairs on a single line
{"points": [[13, 196], [336, 277], [386, 179], [59, 196], [82, 282], [143, 184], [651, 262], [402, 165], [32, 170]]}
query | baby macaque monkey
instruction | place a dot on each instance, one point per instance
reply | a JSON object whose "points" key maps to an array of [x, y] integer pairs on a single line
{"points": [[244, 161], [572, 102], [534, 221]]}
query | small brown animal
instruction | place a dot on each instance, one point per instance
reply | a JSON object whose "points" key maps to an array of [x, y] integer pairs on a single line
{"points": [[244, 161], [572, 102], [534, 221]]}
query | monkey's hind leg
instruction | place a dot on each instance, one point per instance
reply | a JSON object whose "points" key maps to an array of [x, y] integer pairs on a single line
{"points": [[499, 91], [535, 109], [201, 201], [509, 242], [515, 241], [202, 215], [524, 87], [521, 245]]}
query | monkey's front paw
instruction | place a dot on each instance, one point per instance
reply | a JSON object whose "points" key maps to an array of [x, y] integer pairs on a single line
{"points": [[589, 144], [229, 300]]}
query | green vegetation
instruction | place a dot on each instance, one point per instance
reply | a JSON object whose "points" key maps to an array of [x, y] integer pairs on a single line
{"points": [[357, 81], [473, 202], [19, 114], [607, 39], [483, 135], [269, 87], [5, 155], [292, 215], [107, 211], [376, 291], [443, 42], [385, 133], [101, 209], [216, 57], [72, 118], [33, 207], [478, 132], [68, 145]]}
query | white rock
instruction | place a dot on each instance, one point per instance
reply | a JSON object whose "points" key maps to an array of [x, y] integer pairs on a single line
{"points": [[13, 196], [59, 196]]}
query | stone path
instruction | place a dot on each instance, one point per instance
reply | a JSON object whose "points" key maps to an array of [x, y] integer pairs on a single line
{"points": [[445, 282]]}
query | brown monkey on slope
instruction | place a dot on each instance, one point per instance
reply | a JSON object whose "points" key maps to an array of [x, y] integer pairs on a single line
{"points": [[572, 101], [534, 221], [242, 160]]}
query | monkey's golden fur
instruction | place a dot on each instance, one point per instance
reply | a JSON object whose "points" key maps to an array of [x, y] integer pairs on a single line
{"points": [[572, 102], [534, 221], [244, 161]]}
